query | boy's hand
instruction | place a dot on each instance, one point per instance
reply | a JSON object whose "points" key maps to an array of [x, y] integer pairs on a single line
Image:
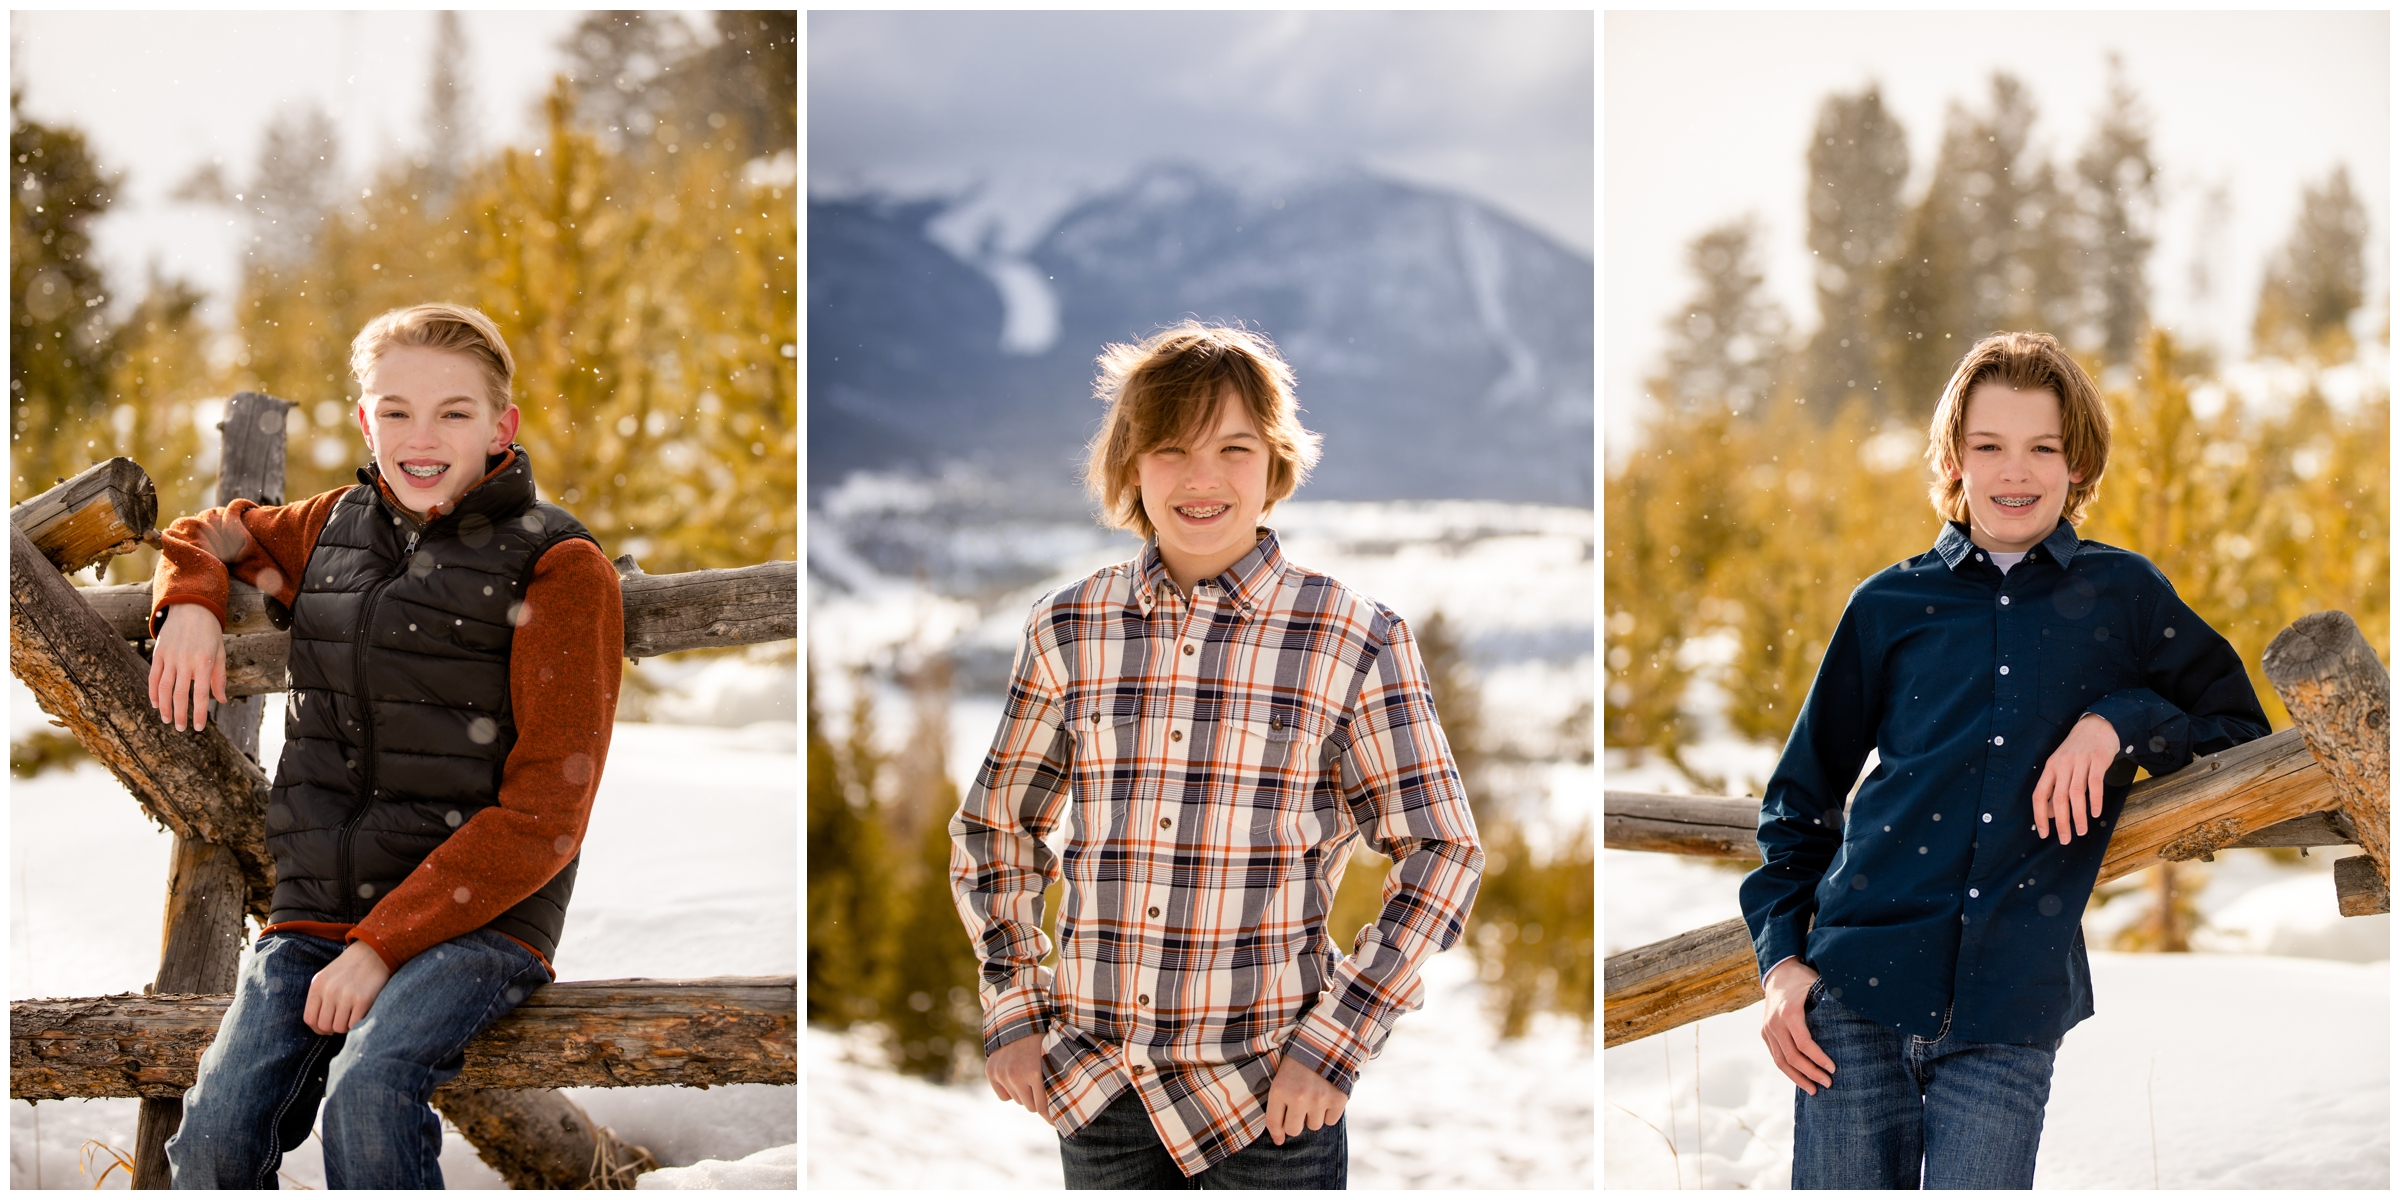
{"points": [[1796, 1054], [1300, 1099], [2071, 780], [187, 666], [341, 994], [1015, 1073]]}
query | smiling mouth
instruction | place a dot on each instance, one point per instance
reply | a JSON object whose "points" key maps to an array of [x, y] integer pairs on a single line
{"points": [[425, 471], [2015, 501], [1200, 512]]}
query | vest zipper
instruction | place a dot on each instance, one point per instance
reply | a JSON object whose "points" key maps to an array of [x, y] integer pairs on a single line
{"points": [[366, 709]]}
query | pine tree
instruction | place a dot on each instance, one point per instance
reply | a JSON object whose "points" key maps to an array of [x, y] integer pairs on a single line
{"points": [[449, 128], [929, 998], [1857, 165], [2120, 195], [60, 342], [624, 67], [1726, 345], [2318, 279], [847, 872], [1988, 248]]}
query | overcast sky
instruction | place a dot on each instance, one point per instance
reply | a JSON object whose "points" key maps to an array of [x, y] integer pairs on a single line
{"points": [[1040, 107], [161, 94], [1709, 115]]}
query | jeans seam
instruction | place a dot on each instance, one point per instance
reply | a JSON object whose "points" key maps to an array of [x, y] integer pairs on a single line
{"points": [[488, 1015], [275, 1123]]}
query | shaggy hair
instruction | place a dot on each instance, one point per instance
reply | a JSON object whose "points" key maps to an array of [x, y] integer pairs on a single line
{"points": [[1165, 392], [2029, 362]]}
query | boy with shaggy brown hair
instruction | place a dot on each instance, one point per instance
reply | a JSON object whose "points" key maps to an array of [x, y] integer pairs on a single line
{"points": [[1216, 726], [455, 647], [1923, 948]]}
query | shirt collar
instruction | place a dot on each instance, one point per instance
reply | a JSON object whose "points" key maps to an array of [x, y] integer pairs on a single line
{"points": [[1954, 545], [1246, 582]]}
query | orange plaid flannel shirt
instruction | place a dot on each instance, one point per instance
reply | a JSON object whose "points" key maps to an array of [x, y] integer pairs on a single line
{"points": [[1213, 757]]}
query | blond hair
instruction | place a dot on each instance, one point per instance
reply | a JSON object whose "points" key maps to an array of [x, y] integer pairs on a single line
{"points": [[2028, 362], [455, 328], [1165, 392]]}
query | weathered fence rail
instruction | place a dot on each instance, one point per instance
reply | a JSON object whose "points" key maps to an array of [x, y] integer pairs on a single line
{"points": [[2324, 782], [605, 1033]]}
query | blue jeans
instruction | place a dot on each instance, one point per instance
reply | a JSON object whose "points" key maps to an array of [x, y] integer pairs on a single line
{"points": [[261, 1079], [1905, 1111], [1120, 1149]]}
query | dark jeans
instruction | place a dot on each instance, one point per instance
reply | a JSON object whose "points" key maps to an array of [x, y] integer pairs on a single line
{"points": [[261, 1079], [1120, 1149], [1905, 1111]]}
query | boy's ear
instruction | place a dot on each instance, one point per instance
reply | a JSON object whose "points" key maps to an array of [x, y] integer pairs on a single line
{"points": [[358, 412], [506, 431]]}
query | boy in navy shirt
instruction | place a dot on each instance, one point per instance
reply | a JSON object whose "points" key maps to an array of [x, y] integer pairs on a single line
{"points": [[1928, 940]]}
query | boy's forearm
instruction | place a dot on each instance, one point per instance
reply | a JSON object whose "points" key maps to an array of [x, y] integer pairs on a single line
{"points": [[565, 667], [263, 545]]}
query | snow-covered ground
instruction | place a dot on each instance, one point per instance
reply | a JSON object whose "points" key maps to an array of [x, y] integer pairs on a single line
{"points": [[2264, 1059], [690, 868], [1446, 1105]]}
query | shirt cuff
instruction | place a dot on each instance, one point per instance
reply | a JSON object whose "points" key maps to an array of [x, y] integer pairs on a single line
{"points": [[1775, 943], [1019, 1012], [390, 962], [2149, 730], [1332, 1050], [159, 607]]}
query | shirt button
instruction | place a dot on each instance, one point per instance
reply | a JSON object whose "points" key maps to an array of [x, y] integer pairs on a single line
{"points": [[1141, 999], [2003, 599], [1999, 741], [1987, 818], [1972, 894], [1169, 822], [1174, 735], [1095, 718], [1979, 558], [1137, 1068], [1187, 648], [1154, 910], [2004, 670]]}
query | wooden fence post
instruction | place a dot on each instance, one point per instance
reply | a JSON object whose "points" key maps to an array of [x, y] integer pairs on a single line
{"points": [[201, 947], [2340, 696]]}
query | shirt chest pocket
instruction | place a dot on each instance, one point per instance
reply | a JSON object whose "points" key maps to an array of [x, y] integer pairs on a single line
{"points": [[1279, 753], [2080, 664], [1107, 731]]}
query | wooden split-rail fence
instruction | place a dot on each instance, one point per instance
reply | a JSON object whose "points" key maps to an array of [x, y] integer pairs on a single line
{"points": [[2324, 782], [76, 648]]}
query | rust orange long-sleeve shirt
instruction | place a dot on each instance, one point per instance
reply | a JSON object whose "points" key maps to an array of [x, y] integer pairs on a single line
{"points": [[564, 670]]}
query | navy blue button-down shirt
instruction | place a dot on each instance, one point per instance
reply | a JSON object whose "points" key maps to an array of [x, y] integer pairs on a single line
{"points": [[1932, 890]]}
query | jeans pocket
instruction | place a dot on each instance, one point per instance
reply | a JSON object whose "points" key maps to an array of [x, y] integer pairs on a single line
{"points": [[1816, 992]]}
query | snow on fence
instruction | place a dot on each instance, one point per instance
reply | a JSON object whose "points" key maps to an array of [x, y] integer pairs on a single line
{"points": [[75, 648], [2324, 782]]}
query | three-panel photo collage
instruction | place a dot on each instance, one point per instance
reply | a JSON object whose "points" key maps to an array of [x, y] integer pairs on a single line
{"points": [[1455, 600]]}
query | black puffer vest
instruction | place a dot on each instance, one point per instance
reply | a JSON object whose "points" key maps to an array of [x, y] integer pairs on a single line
{"points": [[399, 721]]}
